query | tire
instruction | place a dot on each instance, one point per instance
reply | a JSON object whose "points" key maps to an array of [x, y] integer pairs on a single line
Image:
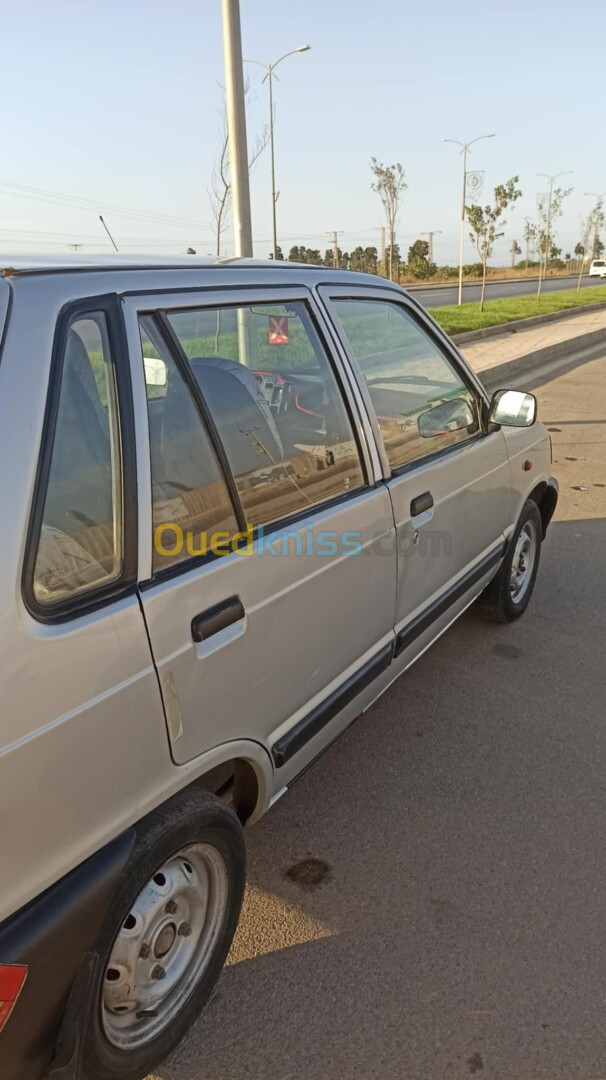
{"points": [[509, 592], [175, 911]]}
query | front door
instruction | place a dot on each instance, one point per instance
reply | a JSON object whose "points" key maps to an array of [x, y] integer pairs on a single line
{"points": [[268, 586], [448, 478]]}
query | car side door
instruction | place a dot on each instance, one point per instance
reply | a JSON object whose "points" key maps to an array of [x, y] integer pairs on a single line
{"points": [[447, 474], [267, 592]]}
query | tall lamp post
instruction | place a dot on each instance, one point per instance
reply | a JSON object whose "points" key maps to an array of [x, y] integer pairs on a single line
{"points": [[464, 150], [270, 75]]}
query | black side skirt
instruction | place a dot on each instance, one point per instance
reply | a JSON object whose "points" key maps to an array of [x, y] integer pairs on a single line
{"points": [[290, 743], [425, 618], [310, 725]]}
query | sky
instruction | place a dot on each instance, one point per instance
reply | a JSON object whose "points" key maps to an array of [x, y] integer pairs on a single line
{"points": [[114, 107]]}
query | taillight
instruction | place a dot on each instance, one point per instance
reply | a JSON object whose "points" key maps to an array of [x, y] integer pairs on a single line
{"points": [[12, 978]]}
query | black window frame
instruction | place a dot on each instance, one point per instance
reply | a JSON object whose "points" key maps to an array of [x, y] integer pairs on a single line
{"points": [[90, 600], [160, 316]]}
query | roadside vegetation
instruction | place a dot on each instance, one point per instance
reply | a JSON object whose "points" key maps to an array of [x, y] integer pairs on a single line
{"points": [[456, 320]]}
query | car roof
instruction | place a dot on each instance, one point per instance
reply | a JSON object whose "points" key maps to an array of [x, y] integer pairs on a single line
{"points": [[17, 265], [36, 263]]}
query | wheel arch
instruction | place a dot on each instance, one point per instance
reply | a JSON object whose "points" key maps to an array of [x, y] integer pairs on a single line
{"points": [[242, 775], [545, 495]]}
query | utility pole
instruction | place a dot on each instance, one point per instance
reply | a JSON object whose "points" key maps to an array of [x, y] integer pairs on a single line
{"points": [[382, 250], [236, 128], [514, 252], [238, 157], [335, 247], [430, 236]]}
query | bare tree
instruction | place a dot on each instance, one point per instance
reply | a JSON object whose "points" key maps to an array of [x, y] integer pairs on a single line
{"points": [[549, 208], [483, 222], [389, 183], [220, 186], [582, 248], [530, 236]]}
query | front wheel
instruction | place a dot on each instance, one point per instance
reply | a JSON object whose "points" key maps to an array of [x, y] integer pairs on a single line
{"points": [[508, 595], [167, 935]]}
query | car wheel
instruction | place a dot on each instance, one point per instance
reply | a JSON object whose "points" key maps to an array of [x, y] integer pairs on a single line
{"points": [[508, 595], [167, 935]]}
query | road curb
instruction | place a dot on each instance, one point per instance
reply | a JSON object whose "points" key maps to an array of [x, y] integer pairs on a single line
{"points": [[519, 325], [497, 377]]}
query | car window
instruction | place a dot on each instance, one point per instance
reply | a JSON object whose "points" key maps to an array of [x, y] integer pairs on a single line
{"points": [[80, 544], [419, 398], [192, 513], [276, 403]]}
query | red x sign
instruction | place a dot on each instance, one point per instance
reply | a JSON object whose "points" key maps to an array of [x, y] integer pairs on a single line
{"points": [[278, 329]]}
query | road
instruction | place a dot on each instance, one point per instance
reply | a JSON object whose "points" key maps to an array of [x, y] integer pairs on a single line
{"points": [[456, 923], [440, 295]]}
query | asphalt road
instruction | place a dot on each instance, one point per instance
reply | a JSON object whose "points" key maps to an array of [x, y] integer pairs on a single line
{"points": [[460, 925], [440, 295]]}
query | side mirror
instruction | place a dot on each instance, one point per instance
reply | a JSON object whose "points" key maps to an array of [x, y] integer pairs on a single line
{"points": [[513, 408], [453, 415]]}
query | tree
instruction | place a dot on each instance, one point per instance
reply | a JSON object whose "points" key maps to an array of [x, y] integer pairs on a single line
{"points": [[596, 219], [530, 237], [549, 208], [483, 221], [418, 264], [582, 247], [219, 192], [371, 260], [392, 260], [389, 183], [279, 254]]}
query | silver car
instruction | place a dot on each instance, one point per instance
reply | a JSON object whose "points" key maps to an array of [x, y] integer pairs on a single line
{"points": [[239, 500]]}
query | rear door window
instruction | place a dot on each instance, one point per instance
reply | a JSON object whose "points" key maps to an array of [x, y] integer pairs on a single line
{"points": [[267, 382]]}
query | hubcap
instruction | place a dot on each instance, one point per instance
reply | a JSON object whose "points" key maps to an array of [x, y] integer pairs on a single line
{"points": [[164, 946], [523, 562]]}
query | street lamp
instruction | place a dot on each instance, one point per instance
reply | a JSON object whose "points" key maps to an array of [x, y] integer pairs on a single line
{"points": [[464, 149], [552, 180], [270, 75]]}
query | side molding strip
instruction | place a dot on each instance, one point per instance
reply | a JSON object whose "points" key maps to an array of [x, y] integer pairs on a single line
{"points": [[310, 725]]}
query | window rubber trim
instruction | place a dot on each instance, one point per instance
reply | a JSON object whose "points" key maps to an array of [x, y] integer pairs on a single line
{"points": [[92, 599]]}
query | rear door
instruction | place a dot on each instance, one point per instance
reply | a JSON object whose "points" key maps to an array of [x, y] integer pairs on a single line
{"points": [[448, 478], [269, 589]]}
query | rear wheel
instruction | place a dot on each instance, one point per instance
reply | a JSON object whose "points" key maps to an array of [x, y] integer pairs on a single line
{"points": [[508, 595], [167, 935]]}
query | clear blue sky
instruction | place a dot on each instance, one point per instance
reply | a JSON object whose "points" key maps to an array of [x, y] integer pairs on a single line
{"points": [[116, 101]]}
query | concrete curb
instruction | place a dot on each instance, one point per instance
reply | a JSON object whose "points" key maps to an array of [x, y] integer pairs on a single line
{"points": [[497, 377], [519, 325]]}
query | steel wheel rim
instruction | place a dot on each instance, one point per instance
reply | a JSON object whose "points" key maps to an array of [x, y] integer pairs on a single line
{"points": [[522, 566], [164, 946]]}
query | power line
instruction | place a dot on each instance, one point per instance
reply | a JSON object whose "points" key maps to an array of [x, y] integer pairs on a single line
{"points": [[24, 191]]}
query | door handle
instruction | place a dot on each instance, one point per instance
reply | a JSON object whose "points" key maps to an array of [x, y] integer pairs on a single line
{"points": [[421, 503], [217, 618]]}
